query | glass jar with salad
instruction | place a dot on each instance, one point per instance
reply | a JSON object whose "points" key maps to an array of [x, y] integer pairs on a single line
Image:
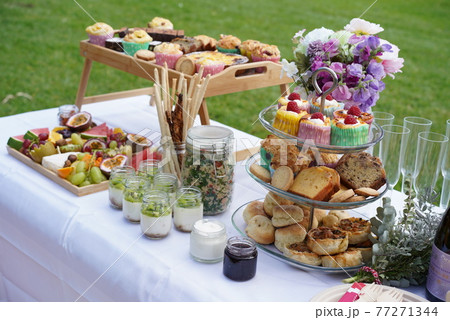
{"points": [[117, 184], [209, 165], [135, 187], [156, 214], [188, 208]]}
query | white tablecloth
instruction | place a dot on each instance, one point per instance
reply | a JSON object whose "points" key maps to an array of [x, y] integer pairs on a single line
{"points": [[55, 246]]}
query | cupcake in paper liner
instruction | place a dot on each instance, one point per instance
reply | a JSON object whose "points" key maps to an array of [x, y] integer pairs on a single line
{"points": [[350, 131], [210, 67], [100, 32], [330, 106], [168, 53], [265, 52], [160, 23], [302, 104], [228, 44], [135, 41], [287, 120], [315, 127], [354, 111], [247, 47]]}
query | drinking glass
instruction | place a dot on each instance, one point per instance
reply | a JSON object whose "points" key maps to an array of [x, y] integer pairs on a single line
{"points": [[430, 153], [416, 125], [381, 118], [392, 151], [445, 194]]}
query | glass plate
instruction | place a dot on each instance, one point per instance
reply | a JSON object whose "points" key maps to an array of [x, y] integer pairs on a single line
{"points": [[239, 224], [309, 202], [267, 116]]}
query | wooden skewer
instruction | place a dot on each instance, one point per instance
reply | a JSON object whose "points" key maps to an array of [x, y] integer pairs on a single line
{"points": [[174, 86]]}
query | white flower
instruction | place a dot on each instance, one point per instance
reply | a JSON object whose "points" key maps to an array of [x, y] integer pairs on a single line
{"points": [[321, 34], [298, 35], [342, 36], [360, 27], [290, 68], [389, 55]]}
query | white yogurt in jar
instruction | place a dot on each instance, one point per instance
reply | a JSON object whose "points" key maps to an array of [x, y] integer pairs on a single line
{"points": [[132, 210], [208, 241], [116, 197], [184, 218], [156, 227]]}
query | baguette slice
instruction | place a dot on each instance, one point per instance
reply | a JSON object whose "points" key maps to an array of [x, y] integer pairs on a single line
{"points": [[314, 183]]}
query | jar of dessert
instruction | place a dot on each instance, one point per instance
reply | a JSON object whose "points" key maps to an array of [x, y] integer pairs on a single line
{"points": [[156, 214], [208, 240], [167, 182], [65, 112], [117, 184], [239, 261], [209, 165], [188, 208], [149, 169], [135, 187]]}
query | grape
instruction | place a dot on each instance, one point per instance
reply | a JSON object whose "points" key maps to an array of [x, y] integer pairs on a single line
{"points": [[96, 175], [85, 183], [41, 142], [43, 136], [99, 154], [26, 143], [78, 178], [81, 167], [113, 144], [66, 133], [34, 145], [87, 149], [80, 155], [76, 139]]}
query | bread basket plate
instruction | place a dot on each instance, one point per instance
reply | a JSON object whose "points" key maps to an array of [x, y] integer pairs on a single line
{"points": [[240, 225], [229, 59], [305, 201], [267, 116], [333, 294]]}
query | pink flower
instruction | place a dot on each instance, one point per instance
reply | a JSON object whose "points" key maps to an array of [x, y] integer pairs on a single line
{"points": [[341, 93], [392, 66]]}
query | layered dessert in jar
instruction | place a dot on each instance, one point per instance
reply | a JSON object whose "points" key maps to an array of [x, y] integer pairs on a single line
{"points": [[188, 208], [156, 215]]}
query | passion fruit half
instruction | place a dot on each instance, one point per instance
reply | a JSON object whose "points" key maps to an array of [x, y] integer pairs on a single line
{"points": [[80, 121], [94, 144], [108, 164], [138, 142]]}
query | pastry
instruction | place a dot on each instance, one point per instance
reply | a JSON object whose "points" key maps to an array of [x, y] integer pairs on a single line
{"points": [[314, 183], [273, 200], [286, 215], [265, 52], [315, 127], [289, 235], [306, 216], [253, 209], [282, 178], [260, 172], [137, 40], [288, 117], [349, 258], [330, 106], [99, 32], [358, 229], [261, 230], [350, 131], [187, 44], [319, 214], [330, 221], [354, 111], [226, 58], [228, 44], [327, 241], [206, 43], [167, 53], [210, 66], [160, 23], [185, 65], [361, 170], [340, 214], [367, 192], [146, 55], [341, 196], [247, 47], [299, 251]]}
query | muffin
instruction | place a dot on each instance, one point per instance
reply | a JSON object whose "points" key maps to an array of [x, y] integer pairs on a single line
{"points": [[99, 33], [315, 127], [135, 41], [354, 111], [350, 131], [247, 47], [160, 23], [330, 106], [294, 96], [210, 66], [167, 53], [228, 44], [288, 118], [265, 52]]}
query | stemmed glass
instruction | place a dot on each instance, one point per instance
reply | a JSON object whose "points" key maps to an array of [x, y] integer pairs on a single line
{"points": [[430, 153], [445, 194], [392, 150], [381, 118], [415, 125]]}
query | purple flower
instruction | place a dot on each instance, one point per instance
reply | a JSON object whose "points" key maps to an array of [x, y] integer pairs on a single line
{"points": [[361, 94], [386, 47], [337, 67], [317, 63], [354, 39], [341, 93], [355, 70], [361, 52], [315, 49], [373, 42], [376, 70], [331, 47]]}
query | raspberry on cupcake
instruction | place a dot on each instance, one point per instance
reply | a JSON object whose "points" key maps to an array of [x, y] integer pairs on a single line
{"points": [[288, 118], [330, 106], [295, 97], [349, 131], [354, 111], [315, 127]]}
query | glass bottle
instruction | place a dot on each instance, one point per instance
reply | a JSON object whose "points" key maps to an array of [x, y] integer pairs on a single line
{"points": [[65, 112], [135, 187], [117, 184], [208, 240], [188, 208], [239, 261], [156, 215], [209, 165]]}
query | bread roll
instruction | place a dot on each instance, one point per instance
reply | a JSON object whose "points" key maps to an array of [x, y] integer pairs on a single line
{"points": [[319, 214], [340, 214], [330, 221], [261, 230], [349, 258], [306, 215], [288, 235], [272, 200], [253, 209], [286, 215], [327, 241], [299, 251]]}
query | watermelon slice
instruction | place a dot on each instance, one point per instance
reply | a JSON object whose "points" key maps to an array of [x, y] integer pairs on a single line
{"points": [[16, 142], [145, 154], [34, 133], [99, 132]]}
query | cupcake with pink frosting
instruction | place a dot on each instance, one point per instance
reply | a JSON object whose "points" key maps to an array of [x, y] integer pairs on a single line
{"points": [[168, 53], [315, 127], [100, 32]]}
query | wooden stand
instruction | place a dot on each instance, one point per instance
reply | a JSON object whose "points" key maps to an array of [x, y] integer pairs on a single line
{"points": [[233, 79]]}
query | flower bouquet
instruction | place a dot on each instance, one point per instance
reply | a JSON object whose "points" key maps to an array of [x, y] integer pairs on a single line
{"points": [[360, 59]]}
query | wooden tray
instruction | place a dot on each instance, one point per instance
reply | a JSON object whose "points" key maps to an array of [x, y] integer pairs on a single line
{"points": [[79, 191]]}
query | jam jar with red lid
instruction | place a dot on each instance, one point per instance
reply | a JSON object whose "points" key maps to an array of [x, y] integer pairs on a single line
{"points": [[239, 261]]}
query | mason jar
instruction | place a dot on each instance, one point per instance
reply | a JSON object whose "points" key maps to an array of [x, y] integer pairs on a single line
{"points": [[188, 208], [117, 184], [135, 187], [167, 182], [65, 112], [209, 165], [156, 214], [149, 169], [207, 241]]}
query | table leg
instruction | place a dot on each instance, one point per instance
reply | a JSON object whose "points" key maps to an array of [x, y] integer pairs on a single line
{"points": [[83, 82], [204, 115], [284, 88]]}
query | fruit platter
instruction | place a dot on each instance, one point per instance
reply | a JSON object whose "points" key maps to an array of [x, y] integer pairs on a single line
{"points": [[79, 154]]}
